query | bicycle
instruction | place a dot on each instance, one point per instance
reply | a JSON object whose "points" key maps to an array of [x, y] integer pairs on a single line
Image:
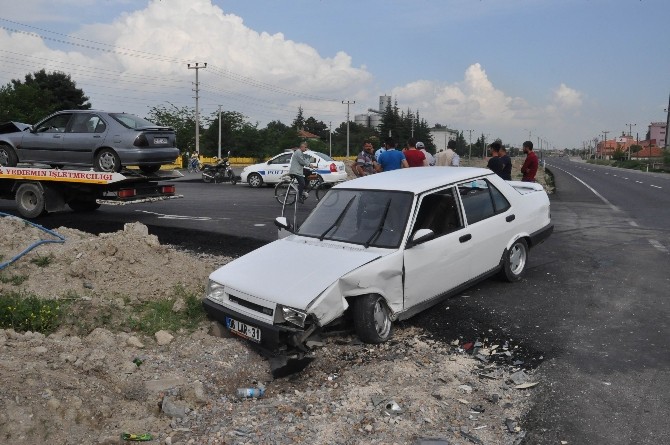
{"points": [[194, 166], [287, 189]]}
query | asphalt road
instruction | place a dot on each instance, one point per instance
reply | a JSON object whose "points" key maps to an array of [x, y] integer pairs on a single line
{"points": [[592, 311]]}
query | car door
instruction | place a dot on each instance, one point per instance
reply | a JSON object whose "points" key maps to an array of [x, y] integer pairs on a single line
{"points": [[440, 264], [85, 133], [44, 142], [489, 224], [277, 167]]}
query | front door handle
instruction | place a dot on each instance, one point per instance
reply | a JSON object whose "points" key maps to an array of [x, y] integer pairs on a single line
{"points": [[465, 238], [510, 218]]}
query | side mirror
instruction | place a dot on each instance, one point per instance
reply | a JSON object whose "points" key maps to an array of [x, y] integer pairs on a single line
{"points": [[283, 223], [420, 236]]}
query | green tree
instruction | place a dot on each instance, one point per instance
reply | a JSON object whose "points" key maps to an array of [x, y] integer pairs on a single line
{"points": [[39, 95], [299, 121], [182, 120], [316, 127], [233, 123]]}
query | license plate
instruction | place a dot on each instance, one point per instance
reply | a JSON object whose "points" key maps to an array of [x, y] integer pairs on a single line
{"points": [[244, 330], [160, 140]]}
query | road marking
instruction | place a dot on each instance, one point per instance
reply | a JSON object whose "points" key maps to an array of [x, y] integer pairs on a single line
{"points": [[639, 182], [259, 225], [655, 186], [658, 245], [612, 206], [633, 223], [164, 216]]}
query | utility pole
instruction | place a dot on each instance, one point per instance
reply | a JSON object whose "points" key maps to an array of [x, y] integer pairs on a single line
{"points": [[630, 135], [348, 102], [330, 139], [219, 153], [667, 122], [470, 147], [196, 66], [604, 143]]}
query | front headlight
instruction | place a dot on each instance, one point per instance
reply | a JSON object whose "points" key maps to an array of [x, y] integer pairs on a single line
{"points": [[293, 316], [215, 291]]}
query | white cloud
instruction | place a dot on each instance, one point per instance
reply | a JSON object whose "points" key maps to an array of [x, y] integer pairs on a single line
{"points": [[566, 97]]}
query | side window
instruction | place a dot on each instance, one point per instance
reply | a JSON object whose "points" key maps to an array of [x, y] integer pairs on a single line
{"points": [[481, 200], [83, 123], [283, 159], [99, 126], [439, 212], [55, 124]]}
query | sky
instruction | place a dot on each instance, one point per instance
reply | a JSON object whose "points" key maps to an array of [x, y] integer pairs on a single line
{"points": [[557, 72]]}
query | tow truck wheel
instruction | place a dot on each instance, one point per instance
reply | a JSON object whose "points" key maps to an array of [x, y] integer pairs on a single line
{"points": [[30, 200], [107, 161], [372, 319], [7, 156], [149, 169], [83, 206]]}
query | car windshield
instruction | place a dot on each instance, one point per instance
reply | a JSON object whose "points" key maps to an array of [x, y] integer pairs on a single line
{"points": [[131, 121], [367, 217]]}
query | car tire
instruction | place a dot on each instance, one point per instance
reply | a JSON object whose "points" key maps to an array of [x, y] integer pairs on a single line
{"points": [[30, 200], [255, 180], [106, 160], [372, 319], [514, 261], [83, 205], [8, 157], [149, 169]]}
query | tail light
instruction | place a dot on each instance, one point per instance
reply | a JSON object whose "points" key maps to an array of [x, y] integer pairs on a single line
{"points": [[141, 141], [333, 168], [168, 189], [126, 193]]}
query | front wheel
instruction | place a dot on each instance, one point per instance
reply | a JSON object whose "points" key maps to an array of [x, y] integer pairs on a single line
{"points": [[285, 193], [321, 190], [207, 176], [107, 161], [514, 261], [372, 319], [255, 180], [30, 200], [7, 156]]}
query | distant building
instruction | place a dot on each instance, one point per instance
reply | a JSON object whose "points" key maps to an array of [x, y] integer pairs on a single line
{"points": [[657, 132], [441, 136]]}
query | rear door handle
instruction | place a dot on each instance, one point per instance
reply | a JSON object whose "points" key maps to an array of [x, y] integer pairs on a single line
{"points": [[510, 218], [465, 238]]}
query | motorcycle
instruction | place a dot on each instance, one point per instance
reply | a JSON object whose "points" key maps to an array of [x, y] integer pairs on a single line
{"points": [[219, 172]]}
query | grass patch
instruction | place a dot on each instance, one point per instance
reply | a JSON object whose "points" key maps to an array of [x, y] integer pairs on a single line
{"points": [[16, 280], [42, 261], [27, 312]]}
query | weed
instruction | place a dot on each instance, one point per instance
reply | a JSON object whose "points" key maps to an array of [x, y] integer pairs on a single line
{"points": [[27, 312], [42, 261], [16, 280]]}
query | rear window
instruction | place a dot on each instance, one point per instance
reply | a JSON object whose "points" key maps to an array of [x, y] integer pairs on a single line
{"points": [[323, 156], [131, 121]]}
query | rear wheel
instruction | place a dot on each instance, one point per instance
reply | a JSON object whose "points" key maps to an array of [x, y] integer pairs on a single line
{"points": [[321, 190], [83, 205], [255, 180], [372, 319], [149, 169], [107, 161], [514, 261], [285, 192], [30, 200], [7, 156]]}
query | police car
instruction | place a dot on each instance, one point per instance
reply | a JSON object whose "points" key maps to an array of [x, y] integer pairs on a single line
{"points": [[270, 172]]}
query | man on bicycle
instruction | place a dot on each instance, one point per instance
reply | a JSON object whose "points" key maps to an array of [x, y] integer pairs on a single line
{"points": [[297, 169]]}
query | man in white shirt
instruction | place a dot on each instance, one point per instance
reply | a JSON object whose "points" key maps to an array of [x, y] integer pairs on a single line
{"points": [[429, 157]]}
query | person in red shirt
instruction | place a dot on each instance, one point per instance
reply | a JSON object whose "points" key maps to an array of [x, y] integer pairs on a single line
{"points": [[529, 167], [415, 158]]}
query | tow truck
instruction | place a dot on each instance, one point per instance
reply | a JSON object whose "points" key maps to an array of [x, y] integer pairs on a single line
{"points": [[40, 190]]}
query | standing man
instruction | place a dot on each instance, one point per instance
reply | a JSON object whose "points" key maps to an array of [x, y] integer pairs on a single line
{"points": [[429, 157], [415, 158], [494, 161], [391, 159], [365, 162], [529, 167], [298, 163], [446, 157], [506, 163]]}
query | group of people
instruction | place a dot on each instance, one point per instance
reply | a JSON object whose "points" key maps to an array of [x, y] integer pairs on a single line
{"points": [[501, 163], [388, 157]]}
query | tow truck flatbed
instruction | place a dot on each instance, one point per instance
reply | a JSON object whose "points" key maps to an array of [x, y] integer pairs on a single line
{"points": [[38, 190]]}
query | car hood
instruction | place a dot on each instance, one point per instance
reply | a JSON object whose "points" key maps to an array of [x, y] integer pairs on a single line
{"points": [[292, 271], [12, 127]]}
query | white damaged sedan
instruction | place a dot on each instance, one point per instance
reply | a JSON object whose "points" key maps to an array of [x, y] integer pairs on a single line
{"points": [[378, 249]]}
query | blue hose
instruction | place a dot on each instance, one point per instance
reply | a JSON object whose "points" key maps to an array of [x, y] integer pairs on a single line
{"points": [[61, 239]]}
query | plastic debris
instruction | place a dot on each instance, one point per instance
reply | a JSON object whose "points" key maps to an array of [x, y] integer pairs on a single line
{"points": [[392, 408], [246, 393], [471, 438], [526, 385], [137, 437]]}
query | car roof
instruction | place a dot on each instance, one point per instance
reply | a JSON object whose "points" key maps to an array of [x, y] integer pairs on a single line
{"points": [[415, 180]]}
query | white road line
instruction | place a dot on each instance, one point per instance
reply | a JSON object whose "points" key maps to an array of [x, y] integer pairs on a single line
{"points": [[164, 216], [655, 186], [633, 223], [639, 182], [658, 245], [612, 206]]}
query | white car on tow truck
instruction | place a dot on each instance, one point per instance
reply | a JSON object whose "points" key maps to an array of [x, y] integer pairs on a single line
{"points": [[378, 249]]}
